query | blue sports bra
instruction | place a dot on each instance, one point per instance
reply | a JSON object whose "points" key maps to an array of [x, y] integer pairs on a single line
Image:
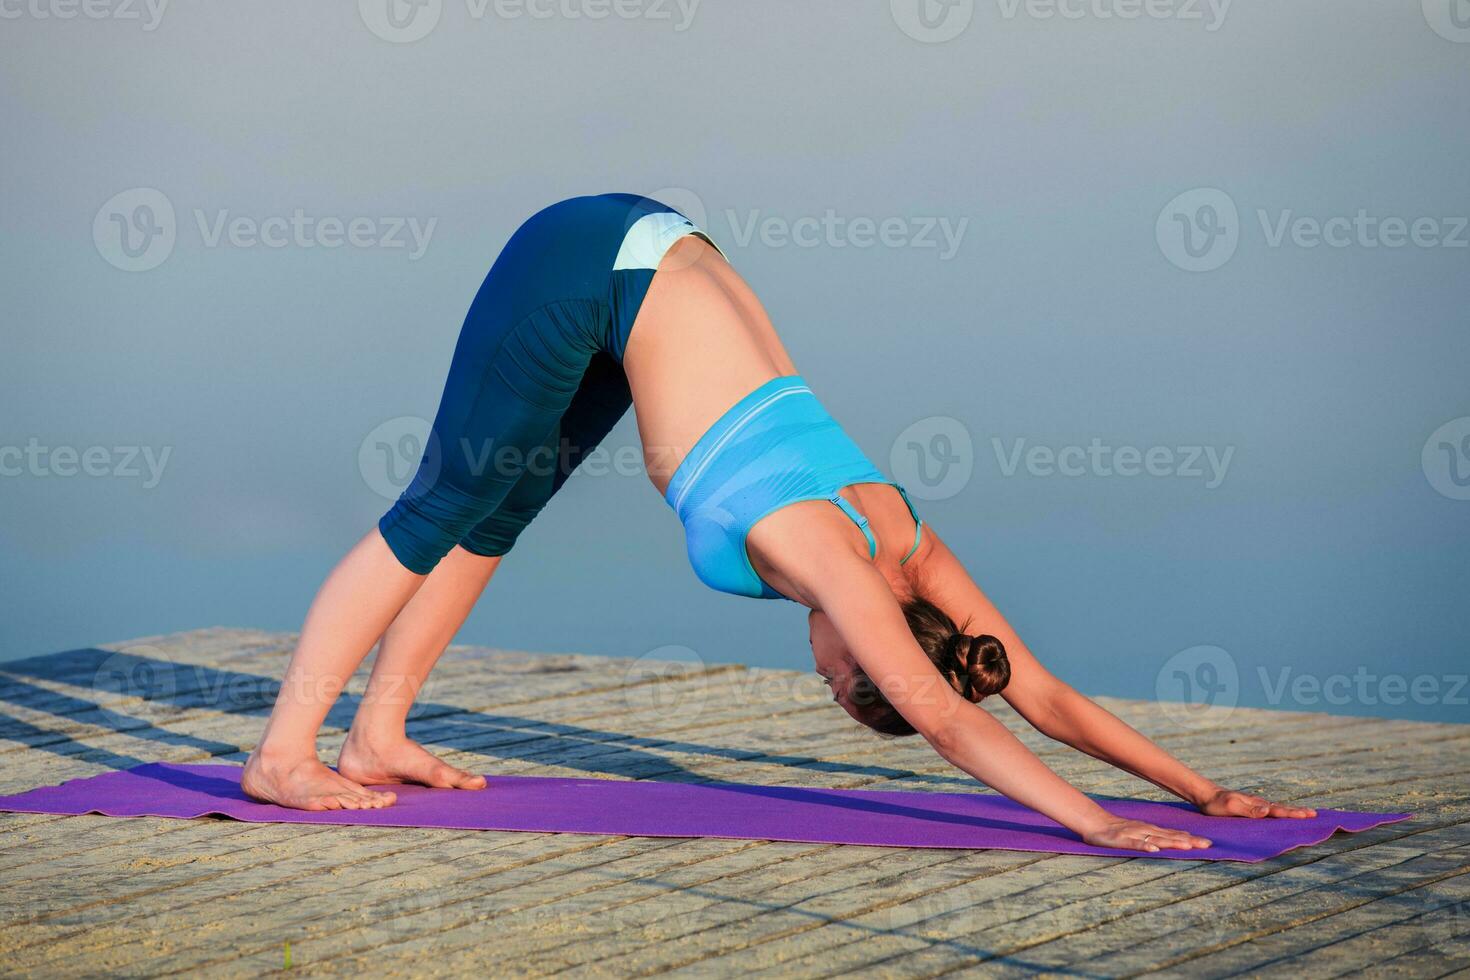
{"points": [[777, 446]]}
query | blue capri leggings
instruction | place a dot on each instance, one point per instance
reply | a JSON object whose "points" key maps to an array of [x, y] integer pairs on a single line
{"points": [[537, 377]]}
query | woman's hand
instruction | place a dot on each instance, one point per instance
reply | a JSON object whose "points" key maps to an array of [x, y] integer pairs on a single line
{"points": [[1135, 835], [1232, 803]]}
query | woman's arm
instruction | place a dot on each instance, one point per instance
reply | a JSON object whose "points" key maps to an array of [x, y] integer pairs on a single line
{"points": [[861, 605], [1059, 712]]}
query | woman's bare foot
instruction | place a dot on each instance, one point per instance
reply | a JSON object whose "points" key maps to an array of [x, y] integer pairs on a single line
{"points": [[374, 761], [306, 784]]}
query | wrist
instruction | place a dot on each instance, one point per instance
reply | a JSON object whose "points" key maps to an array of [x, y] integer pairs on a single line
{"points": [[1091, 822], [1202, 792]]}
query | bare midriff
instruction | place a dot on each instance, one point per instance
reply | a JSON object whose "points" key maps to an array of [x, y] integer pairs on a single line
{"points": [[702, 342]]}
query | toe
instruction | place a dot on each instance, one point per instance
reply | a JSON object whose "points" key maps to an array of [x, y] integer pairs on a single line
{"points": [[442, 776], [449, 777], [468, 780]]}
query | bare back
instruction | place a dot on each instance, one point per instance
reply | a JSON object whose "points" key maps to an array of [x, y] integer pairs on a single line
{"points": [[701, 342]]}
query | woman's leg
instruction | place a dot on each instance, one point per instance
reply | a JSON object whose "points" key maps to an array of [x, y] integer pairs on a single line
{"points": [[359, 599], [540, 319], [483, 433], [378, 749]]}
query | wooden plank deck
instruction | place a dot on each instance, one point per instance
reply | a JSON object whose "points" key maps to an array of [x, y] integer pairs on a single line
{"points": [[89, 896]]}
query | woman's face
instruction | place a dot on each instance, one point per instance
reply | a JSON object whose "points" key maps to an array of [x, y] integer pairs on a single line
{"points": [[834, 662]]}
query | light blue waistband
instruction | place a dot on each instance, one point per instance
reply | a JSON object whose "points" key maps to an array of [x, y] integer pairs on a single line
{"points": [[726, 429], [775, 447]]}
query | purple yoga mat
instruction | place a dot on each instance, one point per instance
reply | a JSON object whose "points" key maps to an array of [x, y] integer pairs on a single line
{"points": [[652, 809]]}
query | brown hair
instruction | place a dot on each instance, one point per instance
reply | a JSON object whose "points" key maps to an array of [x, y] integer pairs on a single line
{"points": [[975, 666]]}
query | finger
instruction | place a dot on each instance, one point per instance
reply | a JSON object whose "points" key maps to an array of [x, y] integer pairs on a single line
{"points": [[1179, 839], [1178, 842], [1295, 812], [1249, 806], [1159, 838], [1139, 837]]}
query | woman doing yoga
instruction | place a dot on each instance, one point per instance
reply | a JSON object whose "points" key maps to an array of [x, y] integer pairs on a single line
{"points": [[598, 303]]}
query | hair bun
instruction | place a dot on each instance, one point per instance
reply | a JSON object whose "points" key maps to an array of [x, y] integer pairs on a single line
{"points": [[984, 668]]}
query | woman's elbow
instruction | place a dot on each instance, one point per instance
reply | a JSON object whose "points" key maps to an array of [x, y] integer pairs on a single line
{"points": [[944, 735]]}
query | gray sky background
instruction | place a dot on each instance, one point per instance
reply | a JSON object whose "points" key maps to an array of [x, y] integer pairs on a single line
{"points": [[1067, 156]]}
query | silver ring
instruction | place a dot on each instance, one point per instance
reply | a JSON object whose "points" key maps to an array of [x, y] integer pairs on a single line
{"points": [[1145, 838]]}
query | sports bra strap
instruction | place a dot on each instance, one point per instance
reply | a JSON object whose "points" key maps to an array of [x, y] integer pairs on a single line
{"points": [[918, 524], [860, 521]]}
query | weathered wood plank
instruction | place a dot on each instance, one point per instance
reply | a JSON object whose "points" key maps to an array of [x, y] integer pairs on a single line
{"points": [[88, 895]]}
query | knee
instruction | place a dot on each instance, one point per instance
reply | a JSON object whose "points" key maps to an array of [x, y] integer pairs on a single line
{"points": [[421, 528], [497, 534]]}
